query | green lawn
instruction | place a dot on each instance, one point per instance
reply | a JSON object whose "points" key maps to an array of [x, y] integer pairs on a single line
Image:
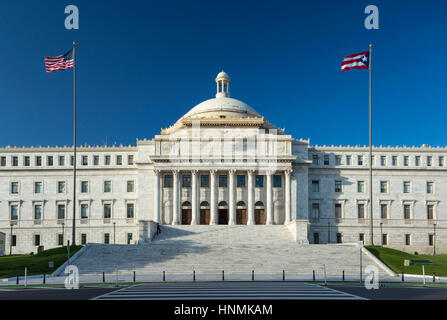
{"points": [[10, 266], [395, 260]]}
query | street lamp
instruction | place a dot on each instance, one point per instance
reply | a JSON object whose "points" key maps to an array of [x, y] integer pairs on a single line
{"points": [[10, 243], [114, 232], [381, 234], [434, 239]]}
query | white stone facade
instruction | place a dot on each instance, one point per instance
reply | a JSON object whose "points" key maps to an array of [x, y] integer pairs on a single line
{"points": [[223, 163]]}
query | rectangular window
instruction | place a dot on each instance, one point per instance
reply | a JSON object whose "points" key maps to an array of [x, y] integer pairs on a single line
{"points": [[15, 161], [95, 160], [259, 181], [315, 210], [107, 160], [407, 214], [362, 237], [429, 187], [14, 212], [38, 187], [205, 181], [61, 187], [429, 161], [50, 161], [83, 239], [119, 160], [441, 161], [106, 238], [14, 187], [348, 160], [338, 186], [360, 186], [84, 160], [38, 161], [384, 211], [339, 237], [167, 181], [430, 212], [315, 186], [107, 210], [360, 160], [338, 210], [383, 186], [60, 239], [186, 181], [129, 238], [84, 211], [14, 241], [406, 161], [316, 238], [130, 186], [130, 210], [431, 239], [337, 160], [407, 239], [315, 159], [417, 161], [37, 239], [384, 239], [3, 161], [84, 186], [383, 160], [61, 211], [277, 181], [37, 212], [223, 181], [407, 186], [372, 160], [26, 161], [326, 159], [71, 160], [394, 160], [240, 181], [130, 159], [361, 211], [61, 160], [107, 186]]}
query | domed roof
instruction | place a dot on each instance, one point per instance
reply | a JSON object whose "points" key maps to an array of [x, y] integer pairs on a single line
{"points": [[222, 106]]}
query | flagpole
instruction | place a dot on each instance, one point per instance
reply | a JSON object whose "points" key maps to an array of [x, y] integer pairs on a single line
{"points": [[73, 240], [371, 232]]}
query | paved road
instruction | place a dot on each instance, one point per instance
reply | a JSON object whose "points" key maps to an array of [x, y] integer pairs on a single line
{"points": [[228, 291], [52, 293]]}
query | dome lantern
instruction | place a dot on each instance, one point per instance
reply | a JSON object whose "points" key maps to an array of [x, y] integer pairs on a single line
{"points": [[223, 85]]}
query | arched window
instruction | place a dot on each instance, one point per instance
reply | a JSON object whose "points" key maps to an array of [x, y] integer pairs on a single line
{"points": [[240, 204], [223, 204], [259, 204], [186, 204], [204, 204]]}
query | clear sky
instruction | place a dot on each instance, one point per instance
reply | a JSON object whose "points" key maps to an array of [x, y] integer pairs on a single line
{"points": [[143, 64]]}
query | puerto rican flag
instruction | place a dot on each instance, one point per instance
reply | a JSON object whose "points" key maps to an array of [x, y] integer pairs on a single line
{"points": [[356, 61]]}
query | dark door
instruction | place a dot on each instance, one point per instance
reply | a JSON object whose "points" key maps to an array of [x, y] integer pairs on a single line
{"points": [[241, 216], [204, 216], [259, 216], [222, 216], [186, 216]]}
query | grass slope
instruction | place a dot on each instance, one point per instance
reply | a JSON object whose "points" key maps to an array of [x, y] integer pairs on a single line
{"points": [[10, 266], [395, 260]]}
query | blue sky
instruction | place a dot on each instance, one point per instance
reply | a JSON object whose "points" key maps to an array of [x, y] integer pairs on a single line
{"points": [[143, 64]]}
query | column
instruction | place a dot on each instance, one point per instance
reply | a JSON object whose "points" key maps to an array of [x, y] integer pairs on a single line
{"points": [[251, 198], [269, 192], [157, 196], [194, 195], [232, 202], [287, 174], [175, 202], [213, 197]]}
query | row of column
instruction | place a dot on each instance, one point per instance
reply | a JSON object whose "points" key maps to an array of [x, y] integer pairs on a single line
{"points": [[195, 205]]}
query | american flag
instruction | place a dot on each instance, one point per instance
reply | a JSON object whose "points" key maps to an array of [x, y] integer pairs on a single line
{"points": [[62, 62], [356, 61]]}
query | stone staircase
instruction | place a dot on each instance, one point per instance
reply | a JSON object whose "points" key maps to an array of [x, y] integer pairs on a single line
{"points": [[212, 248]]}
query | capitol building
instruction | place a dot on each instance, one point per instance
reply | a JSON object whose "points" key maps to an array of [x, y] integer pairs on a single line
{"points": [[223, 163]]}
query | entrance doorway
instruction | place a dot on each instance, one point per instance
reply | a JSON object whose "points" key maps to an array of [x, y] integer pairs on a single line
{"points": [[204, 213], [259, 213], [186, 213], [222, 216], [241, 213]]}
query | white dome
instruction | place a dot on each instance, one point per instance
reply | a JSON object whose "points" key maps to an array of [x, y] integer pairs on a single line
{"points": [[213, 108]]}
